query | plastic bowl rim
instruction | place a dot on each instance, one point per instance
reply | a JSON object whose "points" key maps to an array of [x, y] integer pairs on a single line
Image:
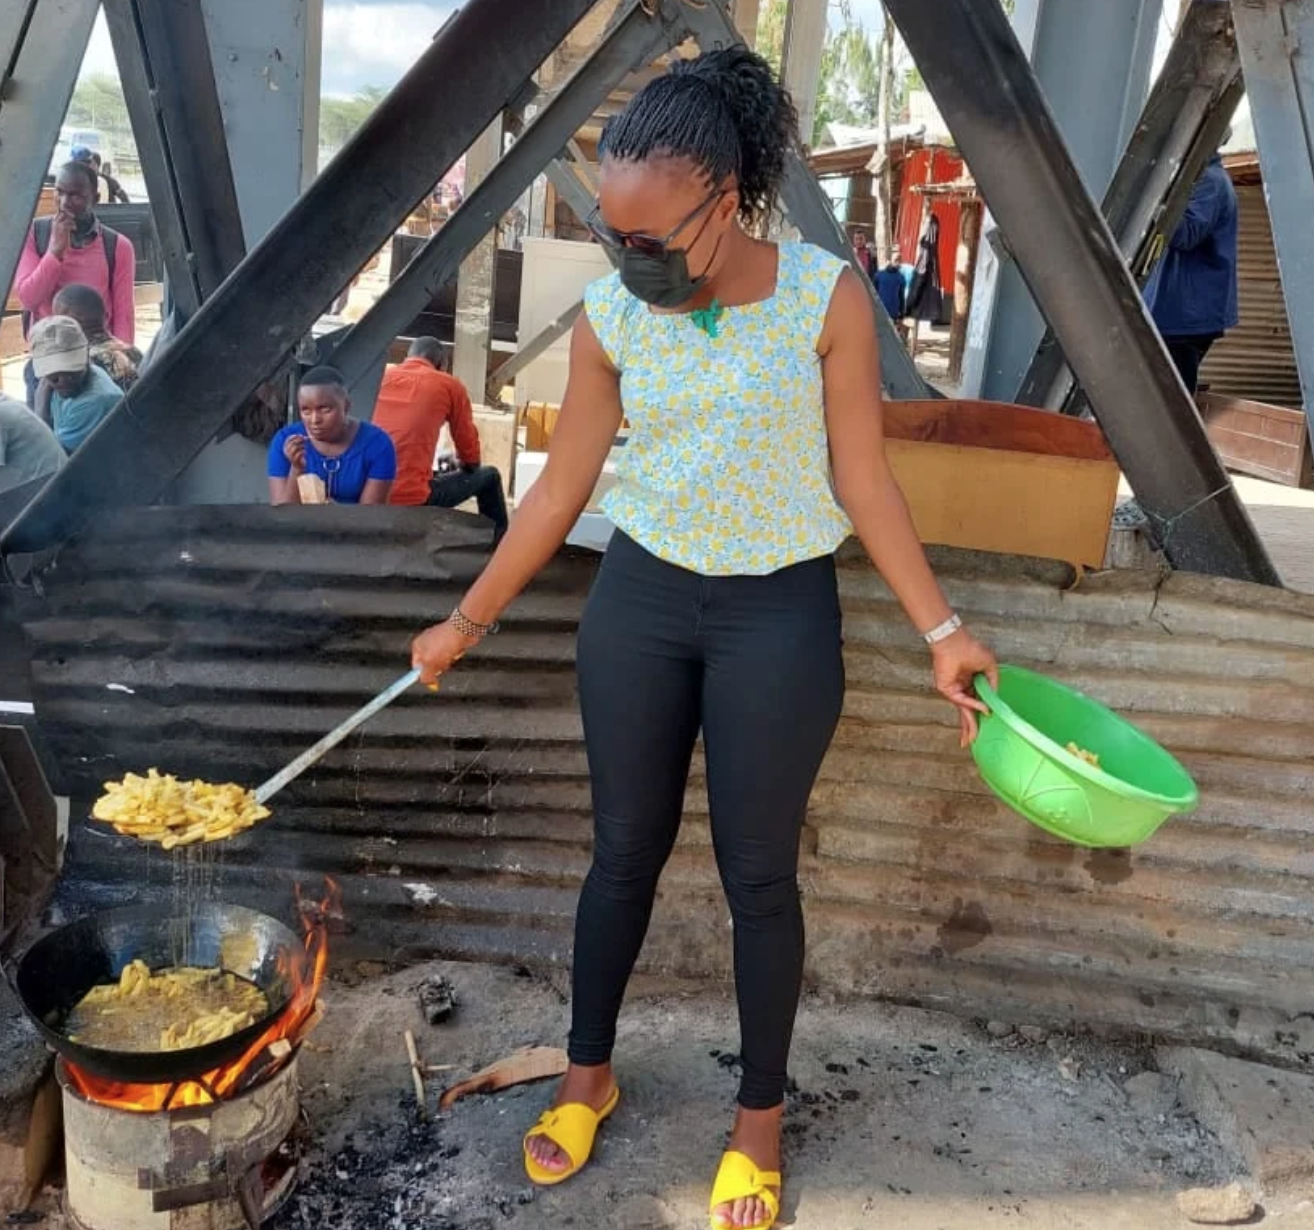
{"points": [[1000, 708]]}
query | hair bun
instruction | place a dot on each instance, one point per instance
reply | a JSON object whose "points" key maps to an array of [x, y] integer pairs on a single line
{"points": [[761, 110], [725, 111]]}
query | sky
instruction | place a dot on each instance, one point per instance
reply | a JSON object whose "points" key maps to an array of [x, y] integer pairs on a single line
{"points": [[366, 42], [373, 42]]}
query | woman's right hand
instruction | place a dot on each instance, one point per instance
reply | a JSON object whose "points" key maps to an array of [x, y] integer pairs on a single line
{"points": [[294, 449], [436, 648]]}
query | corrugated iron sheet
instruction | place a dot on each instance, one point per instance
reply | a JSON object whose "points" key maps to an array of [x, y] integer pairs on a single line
{"points": [[1256, 360], [219, 641]]}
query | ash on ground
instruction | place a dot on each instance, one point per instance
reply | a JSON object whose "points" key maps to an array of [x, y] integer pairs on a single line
{"points": [[895, 1117]]}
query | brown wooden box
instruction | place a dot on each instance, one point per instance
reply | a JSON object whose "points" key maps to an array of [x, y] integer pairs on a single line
{"points": [[1255, 438], [1008, 479]]}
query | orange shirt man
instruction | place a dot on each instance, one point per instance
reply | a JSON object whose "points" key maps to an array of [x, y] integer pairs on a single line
{"points": [[417, 397]]}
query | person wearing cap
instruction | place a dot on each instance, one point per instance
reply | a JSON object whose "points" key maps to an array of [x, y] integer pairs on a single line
{"points": [[28, 448], [81, 394], [113, 188], [74, 246]]}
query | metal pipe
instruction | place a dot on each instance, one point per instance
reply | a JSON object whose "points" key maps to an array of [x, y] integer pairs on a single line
{"points": [[990, 98], [242, 333]]}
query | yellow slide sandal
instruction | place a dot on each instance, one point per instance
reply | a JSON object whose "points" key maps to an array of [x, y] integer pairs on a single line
{"points": [[738, 1178], [571, 1128]]}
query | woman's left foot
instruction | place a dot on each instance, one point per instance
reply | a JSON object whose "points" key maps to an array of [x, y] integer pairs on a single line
{"points": [[756, 1135]]}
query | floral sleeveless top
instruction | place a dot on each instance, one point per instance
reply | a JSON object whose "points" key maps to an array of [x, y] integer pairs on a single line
{"points": [[726, 471]]}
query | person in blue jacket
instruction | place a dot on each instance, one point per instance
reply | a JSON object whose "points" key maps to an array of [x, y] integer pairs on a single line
{"points": [[1192, 293], [891, 287]]}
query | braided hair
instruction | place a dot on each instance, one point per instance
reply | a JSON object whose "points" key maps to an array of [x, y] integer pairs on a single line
{"points": [[725, 111]]}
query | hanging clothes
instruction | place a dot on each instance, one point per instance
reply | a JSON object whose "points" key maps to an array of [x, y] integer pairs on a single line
{"points": [[925, 295]]}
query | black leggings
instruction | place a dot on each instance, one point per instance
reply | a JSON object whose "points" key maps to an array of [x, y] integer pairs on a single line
{"points": [[755, 662]]}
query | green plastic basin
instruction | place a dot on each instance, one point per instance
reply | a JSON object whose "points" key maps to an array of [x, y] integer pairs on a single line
{"points": [[1022, 754]]}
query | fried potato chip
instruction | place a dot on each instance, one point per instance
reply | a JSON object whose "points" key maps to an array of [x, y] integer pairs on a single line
{"points": [[162, 809]]}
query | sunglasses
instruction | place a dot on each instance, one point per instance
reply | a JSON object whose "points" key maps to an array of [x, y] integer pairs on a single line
{"points": [[649, 245]]}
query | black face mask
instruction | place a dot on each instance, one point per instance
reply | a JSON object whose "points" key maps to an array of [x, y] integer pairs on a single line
{"points": [[662, 281]]}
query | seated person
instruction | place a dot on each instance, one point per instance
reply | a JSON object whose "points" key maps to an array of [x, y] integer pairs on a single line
{"points": [[84, 304], [355, 460], [78, 394], [28, 448], [417, 397]]}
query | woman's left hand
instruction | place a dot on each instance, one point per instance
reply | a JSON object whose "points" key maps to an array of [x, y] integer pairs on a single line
{"points": [[956, 661]]}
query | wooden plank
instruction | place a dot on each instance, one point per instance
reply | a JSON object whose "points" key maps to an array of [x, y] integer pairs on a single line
{"points": [[995, 425]]}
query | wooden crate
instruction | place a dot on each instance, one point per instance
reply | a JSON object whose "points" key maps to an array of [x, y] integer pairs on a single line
{"points": [[1254, 438], [540, 420]]}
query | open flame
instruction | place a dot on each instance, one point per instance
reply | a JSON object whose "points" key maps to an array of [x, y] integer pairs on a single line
{"points": [[266, 1054]]}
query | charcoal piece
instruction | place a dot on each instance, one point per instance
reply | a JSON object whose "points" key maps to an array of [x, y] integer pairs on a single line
{"points": [[437, 1000]]}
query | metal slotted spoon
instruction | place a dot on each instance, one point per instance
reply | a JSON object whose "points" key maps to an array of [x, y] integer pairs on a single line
{"points": [[335, 736]]}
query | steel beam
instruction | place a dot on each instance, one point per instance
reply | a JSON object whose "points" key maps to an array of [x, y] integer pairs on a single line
{"points": [[570, 188], [266, 61], [810, 210], [805, 45], [473, 326], [507, 371], [1183, 123], [1093, 60], [260, 313], [163, 52], [636, 39], [993, 104], [1277, 40], [42, 43]]}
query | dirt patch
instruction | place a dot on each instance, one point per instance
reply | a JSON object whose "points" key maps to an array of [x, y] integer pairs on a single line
{"points": [[895, 1117]]}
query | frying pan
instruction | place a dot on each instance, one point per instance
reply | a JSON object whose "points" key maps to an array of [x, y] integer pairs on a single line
{"points": [[60, 968]]}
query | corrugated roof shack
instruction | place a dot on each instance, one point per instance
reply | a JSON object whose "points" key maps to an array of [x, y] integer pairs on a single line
{"points": [[218, 641]]}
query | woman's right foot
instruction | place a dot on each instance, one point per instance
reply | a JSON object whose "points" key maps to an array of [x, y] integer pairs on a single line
{"points": [[592, 1086]]}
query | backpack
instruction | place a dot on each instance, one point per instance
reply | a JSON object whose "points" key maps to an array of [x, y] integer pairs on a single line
{"points": [[41, 241]]}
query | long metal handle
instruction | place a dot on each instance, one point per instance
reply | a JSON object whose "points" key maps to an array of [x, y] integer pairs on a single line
{"points": [[335, 736]]}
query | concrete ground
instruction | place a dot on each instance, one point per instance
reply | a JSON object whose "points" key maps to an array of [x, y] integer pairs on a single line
{"points": [[1284, 517], [897, 1118]]}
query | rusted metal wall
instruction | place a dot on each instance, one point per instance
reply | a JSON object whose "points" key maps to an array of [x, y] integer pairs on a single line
{"points": [[218, 641], [1256, 360]]}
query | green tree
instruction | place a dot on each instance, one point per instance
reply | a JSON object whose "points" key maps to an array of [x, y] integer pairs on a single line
{"points": [[339, 118], [98, 103], [850, 79], [849, 92]]}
